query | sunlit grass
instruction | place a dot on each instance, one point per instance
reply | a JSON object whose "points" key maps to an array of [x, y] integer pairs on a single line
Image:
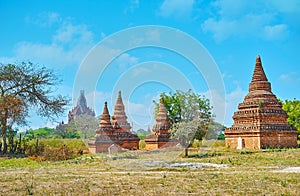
{"points": [[145, 173]]}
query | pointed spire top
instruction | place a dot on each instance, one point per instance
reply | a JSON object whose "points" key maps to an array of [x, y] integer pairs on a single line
{"points": [[259, 79], [259, 73], [82, 100], [162, 120], [258, 59], [105, 110], [119, 116]]}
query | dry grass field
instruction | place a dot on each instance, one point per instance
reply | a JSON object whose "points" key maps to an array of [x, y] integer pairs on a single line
{"points": [[208, 171]]}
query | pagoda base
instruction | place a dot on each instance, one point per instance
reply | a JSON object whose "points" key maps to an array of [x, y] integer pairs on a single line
{"points": [[155, 141], [261, 140], [102, 143]]}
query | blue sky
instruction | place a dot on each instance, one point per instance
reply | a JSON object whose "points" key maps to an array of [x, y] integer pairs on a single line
{"points": [[62, 35]]}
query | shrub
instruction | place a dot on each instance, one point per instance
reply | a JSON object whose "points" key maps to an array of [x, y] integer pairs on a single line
{"points": [[55, 149], [142, 144]]}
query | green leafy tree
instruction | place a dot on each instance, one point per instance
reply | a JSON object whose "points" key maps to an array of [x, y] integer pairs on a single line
{"points": [[190, 115], [86, 125], [67, 131], [29, 87], [185, 133], [292, 108], [44, 132], [214, 130], [186, 107]]}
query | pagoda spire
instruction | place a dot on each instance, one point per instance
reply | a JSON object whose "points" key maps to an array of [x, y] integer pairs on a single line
{"points": [[82, 100], [119, 119], [259, 79], [105, 123], [259, 73], [162, 120]]}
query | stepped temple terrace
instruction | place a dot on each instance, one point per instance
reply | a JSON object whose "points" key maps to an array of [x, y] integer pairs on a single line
{"points": [[113, 134], [80, 108], [160, 136], [260, 121]]}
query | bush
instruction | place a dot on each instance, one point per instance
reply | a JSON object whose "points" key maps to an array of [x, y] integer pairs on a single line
{"points": [[196, 143], [142, 144], [55, 149]]}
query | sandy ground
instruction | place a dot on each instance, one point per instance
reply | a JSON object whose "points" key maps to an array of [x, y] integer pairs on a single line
{"points": [[289, 170]]}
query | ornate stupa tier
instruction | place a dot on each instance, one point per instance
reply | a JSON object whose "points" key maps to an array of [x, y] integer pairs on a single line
{"points": [[162, 120], [260, 121], [119, 119], [105, 125]]}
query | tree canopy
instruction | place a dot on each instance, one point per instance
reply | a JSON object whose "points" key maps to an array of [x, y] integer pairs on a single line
{"points": [[24, 87], [185, 106], [292, 108], [190, 115]]}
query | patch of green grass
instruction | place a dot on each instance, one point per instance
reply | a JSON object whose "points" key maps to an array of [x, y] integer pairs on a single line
{"points": [[18, 163]]}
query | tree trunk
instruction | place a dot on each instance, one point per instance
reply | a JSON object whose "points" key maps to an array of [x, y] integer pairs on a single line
{"points": [[4, 129], [4, 143], [186, 152]]}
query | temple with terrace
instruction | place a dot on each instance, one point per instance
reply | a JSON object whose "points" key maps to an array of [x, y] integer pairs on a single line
{"points": [[260, 121], [80, 108]]}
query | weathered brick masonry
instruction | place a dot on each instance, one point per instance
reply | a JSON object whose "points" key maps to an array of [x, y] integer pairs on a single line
{"points": [[260, 121]]}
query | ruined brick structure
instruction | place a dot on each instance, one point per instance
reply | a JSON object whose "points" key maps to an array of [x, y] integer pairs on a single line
{"points": [[117, 133], [260, 121], [80, 108], [160, 136]]}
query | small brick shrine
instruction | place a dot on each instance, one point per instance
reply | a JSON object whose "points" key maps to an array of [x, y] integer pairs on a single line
{"points": [[260, 121], [160, 137], [117, 133]]}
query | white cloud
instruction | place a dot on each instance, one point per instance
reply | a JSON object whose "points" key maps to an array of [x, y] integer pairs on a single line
{"points": [[69, 45], [153, 36], [290, 78], [276, 32], [133, 5], [232, 100], [243, 19], [125, 60], [140, 70], [140, 115], [44, 19], [96, 99], [291, 6], [176, 8]]}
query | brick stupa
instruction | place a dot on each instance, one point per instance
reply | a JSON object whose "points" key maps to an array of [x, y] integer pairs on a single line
{"points": [[119, 119], [160, 136], [260, 121], [117, 133]]}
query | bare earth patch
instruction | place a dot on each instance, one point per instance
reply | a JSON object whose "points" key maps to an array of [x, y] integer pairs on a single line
{"points": [[289, 170]]}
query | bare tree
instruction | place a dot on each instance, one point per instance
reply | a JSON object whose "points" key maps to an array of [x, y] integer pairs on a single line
{"points": [[27, 86]]}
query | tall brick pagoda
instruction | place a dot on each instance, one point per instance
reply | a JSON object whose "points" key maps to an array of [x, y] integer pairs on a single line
{"points": [[80, 108], [116, 132], [160, 136], [119, 119], [260, 121]]}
